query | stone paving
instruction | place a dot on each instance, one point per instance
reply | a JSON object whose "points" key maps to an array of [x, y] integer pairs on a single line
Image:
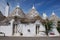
{"points": [[30, 38]]}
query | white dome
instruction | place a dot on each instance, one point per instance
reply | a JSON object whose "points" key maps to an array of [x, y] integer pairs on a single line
{"points": [[33, 7], [44, 16], [53, 13], [18, 6]]}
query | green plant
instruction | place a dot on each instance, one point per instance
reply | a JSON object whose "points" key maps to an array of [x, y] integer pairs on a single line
{"points": [[48, 25], [58, 28]]}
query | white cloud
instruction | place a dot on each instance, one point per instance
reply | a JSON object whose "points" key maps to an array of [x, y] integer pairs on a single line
{"points": [[39, 4], [20, 0]]}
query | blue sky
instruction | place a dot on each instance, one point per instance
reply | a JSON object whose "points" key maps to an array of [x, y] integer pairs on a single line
{"points": [[41, 6]]}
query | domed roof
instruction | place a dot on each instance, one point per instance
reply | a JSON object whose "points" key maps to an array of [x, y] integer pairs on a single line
{"points": [[18, 12], [2, 17]]}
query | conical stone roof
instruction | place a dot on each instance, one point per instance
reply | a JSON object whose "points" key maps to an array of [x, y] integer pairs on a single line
{"points": [[2, 17], [18, 12], [54, 17], [33, 13]]}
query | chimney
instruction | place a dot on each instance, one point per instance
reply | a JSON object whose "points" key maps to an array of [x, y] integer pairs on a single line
{"points": [[7, 10]]}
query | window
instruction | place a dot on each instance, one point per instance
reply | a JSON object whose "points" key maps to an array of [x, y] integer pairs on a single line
{"points": [[8, 23], [21, 34], [28, 30]]}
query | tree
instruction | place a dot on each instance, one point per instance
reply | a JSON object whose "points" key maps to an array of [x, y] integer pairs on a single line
{"points": [[48, 25], [58, 28]]}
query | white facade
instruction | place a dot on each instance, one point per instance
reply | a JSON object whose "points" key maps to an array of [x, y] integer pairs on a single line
{"points": [[25, 29], [7, 29]]}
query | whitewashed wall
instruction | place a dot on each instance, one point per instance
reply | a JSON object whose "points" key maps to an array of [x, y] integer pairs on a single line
{"points": [[55, 31], [7, 30], [41, 28], [24, 29]]}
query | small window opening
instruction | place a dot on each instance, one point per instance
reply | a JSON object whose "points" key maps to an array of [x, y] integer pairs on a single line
{"points": [[28, 30]]}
